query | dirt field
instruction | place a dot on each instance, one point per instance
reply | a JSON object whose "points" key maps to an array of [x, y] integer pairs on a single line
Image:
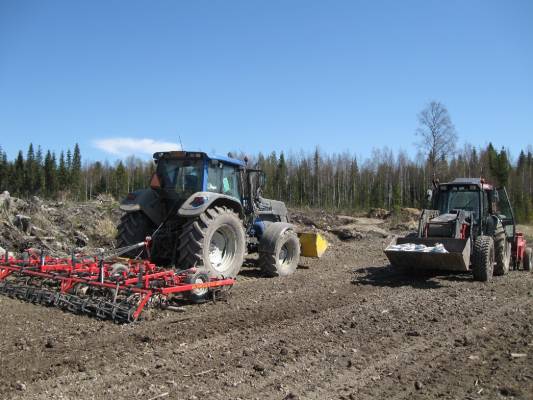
{"points": [[345, 327]]}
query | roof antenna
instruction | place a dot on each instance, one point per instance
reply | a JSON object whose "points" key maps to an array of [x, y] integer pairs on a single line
{"points": [[181, 144]]}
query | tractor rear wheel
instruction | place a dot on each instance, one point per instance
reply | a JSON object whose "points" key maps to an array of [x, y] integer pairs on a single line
{"points": [[283, 259], [502, 249], [214, 242], [483, 263], [528, 261], [133, 228]]}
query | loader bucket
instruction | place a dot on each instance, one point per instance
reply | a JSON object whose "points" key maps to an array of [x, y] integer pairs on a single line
{"points": [[312, 245], [457, 257]]}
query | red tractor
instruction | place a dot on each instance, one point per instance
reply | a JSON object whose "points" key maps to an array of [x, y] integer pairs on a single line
{"points": [[471, 226]]}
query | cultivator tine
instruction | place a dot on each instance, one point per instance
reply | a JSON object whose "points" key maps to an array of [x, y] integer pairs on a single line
{"points": [[99, 308], [30, 294]]}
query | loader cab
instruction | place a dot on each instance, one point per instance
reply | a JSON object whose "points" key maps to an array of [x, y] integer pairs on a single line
{"points": [[467, 197], [478, 197]]}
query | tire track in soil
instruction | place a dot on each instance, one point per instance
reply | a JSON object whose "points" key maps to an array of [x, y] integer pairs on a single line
{"points": [[421, 353]]}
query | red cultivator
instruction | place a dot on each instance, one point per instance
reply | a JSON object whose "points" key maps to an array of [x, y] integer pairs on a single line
{"points": [[109, 290]]}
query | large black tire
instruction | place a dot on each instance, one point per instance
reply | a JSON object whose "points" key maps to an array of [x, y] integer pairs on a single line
{"points": [[283, 259], [483, 263], [133, 228], [214, 242], [528, 261], [502, 250]]}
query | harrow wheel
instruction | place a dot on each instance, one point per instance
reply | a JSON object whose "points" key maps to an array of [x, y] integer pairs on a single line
{"points": [[198, 295]]}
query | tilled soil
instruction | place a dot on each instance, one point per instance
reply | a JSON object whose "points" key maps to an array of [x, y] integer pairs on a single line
{"points": [[347, 326]]}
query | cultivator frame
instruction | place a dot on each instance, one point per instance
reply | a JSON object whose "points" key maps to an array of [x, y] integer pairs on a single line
{"points": [[98, 286]]}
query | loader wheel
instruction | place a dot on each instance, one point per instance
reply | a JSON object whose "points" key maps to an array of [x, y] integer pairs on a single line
{"points": [[214, 242], [483, 263], [133, 228], [528, 261], [502, 249], [197, 295], [283, 259]]}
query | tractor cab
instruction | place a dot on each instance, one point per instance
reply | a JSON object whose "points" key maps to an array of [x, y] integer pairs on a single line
{"points": [[180, 174], [480, 201]]}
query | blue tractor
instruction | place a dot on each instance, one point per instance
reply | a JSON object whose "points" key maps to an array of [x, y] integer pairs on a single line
{"points": [[207, 212]]}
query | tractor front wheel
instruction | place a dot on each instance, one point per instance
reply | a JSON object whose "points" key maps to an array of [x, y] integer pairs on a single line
{"points": [[483, 262], [214, 242], [282, 259]]}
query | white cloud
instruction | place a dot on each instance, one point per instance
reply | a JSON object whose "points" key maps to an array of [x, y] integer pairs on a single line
{"points": [[125, 146]]}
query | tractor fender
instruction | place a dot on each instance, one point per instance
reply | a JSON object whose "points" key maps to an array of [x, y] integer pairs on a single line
{"points": [[267, 244], [146, 201], [491, 224], [201, 201]]}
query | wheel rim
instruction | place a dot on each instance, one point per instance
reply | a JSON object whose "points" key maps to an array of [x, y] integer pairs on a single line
{"points": [[222, 249], [199, 291], [286, 254]]}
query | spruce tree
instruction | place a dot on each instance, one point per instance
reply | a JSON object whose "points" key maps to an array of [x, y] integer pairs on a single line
{"points": [[39, 184], [30, 175], [17, 176], [121, 181], [62, 173], [3, 170], [75, 173], [50, 175]]}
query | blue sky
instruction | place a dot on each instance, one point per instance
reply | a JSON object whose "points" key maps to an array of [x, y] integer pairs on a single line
{"points": [[261, 75]]}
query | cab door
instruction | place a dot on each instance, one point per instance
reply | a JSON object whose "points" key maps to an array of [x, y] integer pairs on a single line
{"points": [[504, 212]]}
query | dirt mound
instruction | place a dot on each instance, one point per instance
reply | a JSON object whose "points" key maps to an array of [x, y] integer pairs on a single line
{"points": [[406, 219], [339, 226], [57, 226], [380, 213]]}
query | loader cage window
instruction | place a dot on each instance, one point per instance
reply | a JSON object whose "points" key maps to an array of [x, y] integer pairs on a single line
{"points": [[502, 207], [459, 198], [184, 176]]}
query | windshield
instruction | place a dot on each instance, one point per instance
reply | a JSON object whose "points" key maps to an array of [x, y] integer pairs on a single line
{"points": [[183, 176], [458, 198]]}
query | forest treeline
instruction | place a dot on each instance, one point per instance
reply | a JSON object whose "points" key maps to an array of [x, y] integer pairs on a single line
{"points": [[387, 179]]}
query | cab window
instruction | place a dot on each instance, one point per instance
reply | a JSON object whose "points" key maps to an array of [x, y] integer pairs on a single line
{"points": [[223, 179], [183, 176], [230, 181]]}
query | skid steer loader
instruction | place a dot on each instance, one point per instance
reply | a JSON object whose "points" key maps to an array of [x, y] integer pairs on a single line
{"points": [[471, 226], [207, 211]]}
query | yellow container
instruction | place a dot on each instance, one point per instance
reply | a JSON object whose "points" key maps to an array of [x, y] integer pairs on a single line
{"points": [[312, 245]]}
